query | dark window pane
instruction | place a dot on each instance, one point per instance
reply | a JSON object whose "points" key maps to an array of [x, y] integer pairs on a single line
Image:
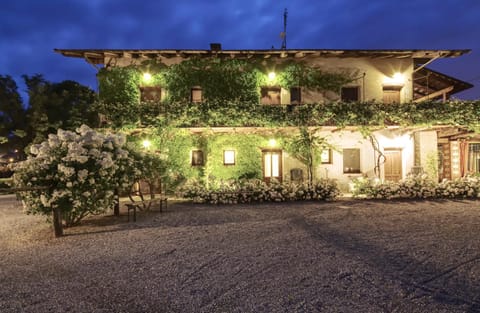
{"points": [[270, 95], [150, 93], [295, 95], [350, 94], [197, 157]]}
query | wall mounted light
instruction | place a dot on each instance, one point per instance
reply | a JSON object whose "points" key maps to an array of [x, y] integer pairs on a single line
{"points": [[146, 144], [271, 76], [147, 77], [272, 142], [398, 79]]}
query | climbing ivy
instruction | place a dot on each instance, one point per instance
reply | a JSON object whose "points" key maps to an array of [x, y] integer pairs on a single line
{"points": [[220, 79]]}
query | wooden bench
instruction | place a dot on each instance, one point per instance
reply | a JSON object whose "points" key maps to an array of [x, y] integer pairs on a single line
{"points": [[132, 207]]}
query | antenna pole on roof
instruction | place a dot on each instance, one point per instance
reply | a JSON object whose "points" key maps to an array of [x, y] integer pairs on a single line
{"points": [[283, 34]]}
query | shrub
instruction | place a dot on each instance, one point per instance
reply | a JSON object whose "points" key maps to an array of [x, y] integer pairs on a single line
{"points": [[81, 169], [255, 190], [415, 187]]}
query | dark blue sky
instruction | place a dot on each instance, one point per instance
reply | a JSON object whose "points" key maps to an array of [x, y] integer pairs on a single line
{"points": [[31, 29]]}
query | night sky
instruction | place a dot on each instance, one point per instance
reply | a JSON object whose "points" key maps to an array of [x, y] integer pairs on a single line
{"points": [[30, 30]]}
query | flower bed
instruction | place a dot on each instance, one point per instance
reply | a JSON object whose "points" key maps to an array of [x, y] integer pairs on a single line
{"points": [[258, 191], [417, 187]]}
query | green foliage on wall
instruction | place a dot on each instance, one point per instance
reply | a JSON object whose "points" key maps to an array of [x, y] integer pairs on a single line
{"points": [[176, 145], [119, 85], [220, 79], [294, 74], [248, 156]]}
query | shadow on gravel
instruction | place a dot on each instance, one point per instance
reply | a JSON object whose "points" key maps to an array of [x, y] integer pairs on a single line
{"points": [[417, 279]]}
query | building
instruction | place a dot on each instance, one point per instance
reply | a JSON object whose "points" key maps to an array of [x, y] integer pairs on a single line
{"points": [[391, 77]]}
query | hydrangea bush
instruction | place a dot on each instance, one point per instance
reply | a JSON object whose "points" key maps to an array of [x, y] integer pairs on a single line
{"points": [[80, 169], [418, 187], [246, 191]]}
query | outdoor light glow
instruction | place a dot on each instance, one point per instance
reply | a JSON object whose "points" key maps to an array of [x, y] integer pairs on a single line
{"points": [[272, 142], [271, 76], [10, 160], [397, 79], [147, 77], [146, 143]]}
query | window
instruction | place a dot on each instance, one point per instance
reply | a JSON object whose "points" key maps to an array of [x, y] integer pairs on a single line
{"points": [[474, 157], [295, 95], [197, 158], [228, 157], [196, 94], [153, 93], [326, 156], [351, 161], [270, 95], [350, 94]]}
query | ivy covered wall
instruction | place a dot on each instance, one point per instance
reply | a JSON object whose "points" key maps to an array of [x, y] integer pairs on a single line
{"points": [[220, 79], [177, 144]]}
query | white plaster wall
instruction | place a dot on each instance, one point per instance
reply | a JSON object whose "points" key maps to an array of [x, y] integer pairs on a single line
{"points": [[388, 139], [428, 150]]}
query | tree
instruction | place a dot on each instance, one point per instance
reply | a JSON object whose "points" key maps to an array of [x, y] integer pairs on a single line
{"points": [[52, 106], [307, 147], [12, 113]]}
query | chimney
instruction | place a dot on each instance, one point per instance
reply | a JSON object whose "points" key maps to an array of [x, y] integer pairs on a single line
{"points": [[215, 46]]}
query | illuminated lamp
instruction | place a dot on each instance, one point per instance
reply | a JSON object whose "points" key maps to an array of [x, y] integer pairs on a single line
{"points": [[147, 77], [398, 79], [146, 144], [272, 142], [271, 76]]}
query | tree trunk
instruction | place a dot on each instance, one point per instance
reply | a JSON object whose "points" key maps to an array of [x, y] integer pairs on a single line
{"points": [[116, 203], [57, 222]]}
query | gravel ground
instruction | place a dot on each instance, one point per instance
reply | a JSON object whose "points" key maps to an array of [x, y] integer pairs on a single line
{"points": [[343, 256]]}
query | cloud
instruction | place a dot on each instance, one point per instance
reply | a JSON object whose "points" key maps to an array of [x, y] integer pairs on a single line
{"points": [[31, 29]]}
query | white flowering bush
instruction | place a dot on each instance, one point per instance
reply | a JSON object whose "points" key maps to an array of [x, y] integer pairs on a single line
{"points": [[417, 187], [246, 191], [467, 187], [80, 169]]}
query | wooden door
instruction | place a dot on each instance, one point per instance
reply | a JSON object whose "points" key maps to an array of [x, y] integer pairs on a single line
{"points": [[272, 165], [393, 165], [391, 96]]}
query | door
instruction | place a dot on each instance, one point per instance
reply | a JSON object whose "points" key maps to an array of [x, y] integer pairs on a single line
{"points": [[391, 96], [393, 165], [272, 165]]}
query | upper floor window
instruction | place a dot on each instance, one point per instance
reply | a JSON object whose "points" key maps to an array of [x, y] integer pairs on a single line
{"points": [[350, 94], [295, 95], [151, 93], [196, 94], [270, 95]]}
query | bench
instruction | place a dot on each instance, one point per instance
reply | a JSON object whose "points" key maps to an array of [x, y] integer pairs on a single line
{"points": [[132, 207]]}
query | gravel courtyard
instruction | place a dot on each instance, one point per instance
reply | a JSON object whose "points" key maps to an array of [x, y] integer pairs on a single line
{"points": [[343, 256]]}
